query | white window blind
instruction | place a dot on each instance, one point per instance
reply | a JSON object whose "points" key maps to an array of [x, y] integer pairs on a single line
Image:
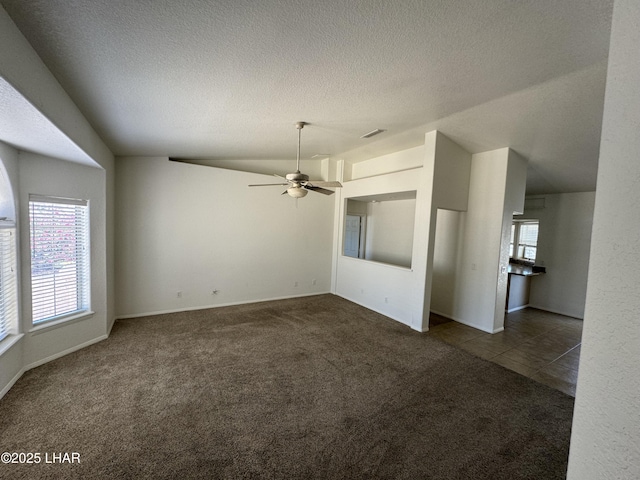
{"points": [[8, 280], [59, 256], [524, 239], [513, 236], [528, 240]]}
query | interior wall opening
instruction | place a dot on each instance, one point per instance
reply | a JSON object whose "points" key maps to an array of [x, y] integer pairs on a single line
{"points": [[446, 254], [379, 228]]}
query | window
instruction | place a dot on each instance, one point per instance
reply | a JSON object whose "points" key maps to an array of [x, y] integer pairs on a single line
{"points": [[59, 257], [526, 233], [513, 236], [8, 279]]}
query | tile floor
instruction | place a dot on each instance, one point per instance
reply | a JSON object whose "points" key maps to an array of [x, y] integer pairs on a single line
{"points": [[541, 345]]}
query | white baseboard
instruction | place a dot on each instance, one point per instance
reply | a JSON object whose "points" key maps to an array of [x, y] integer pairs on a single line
{"points": [[445, 315], [559, 312], [216, 305], [515, 309], [65, 352], [11, 383], [386, 314], [21, 372], [110, 325], [468, 324]]}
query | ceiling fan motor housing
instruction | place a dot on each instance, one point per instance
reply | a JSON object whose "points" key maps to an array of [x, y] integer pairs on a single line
{"points": [[297, 177]]}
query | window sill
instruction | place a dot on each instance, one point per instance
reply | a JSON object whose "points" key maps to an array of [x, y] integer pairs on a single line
{"points": [[8, 342], [374, 262], [60, 322]]}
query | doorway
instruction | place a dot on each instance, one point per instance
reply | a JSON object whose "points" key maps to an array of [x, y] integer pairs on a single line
{"points": [[353, 240]]}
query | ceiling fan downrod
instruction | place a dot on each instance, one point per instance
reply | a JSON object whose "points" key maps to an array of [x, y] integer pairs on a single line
{"points": [[299, 126], [297, 182]]}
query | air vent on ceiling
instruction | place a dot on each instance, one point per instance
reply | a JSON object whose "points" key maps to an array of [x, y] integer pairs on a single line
{"points": [[372, 133]]}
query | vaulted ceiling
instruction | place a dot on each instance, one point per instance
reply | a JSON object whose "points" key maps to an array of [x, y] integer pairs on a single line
{"points": [[228, 79]]}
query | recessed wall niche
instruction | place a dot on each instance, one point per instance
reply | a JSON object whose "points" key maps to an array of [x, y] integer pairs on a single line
{"points": [[379, 228]]}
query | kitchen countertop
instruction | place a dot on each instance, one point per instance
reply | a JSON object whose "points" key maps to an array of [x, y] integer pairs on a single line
{"points": [[525, 270]]}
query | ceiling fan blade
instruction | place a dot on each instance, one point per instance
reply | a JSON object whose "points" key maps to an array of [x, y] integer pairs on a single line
{"points": [[324, 191], [322, 183], [268, 184]]}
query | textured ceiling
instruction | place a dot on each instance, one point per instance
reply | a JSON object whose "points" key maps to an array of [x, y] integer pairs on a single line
{"points": [[228, 79]]}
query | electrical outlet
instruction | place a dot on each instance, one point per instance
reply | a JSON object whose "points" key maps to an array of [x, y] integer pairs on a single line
{"points": [[295, 284], [179, 294], [473, 266], [386, 299], [313, 282]]}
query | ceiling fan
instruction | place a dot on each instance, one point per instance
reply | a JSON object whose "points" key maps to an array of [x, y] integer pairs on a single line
{"points": [[298, 183]]}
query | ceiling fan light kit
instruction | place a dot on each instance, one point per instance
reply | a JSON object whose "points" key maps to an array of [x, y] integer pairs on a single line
{"points": [[296, 192], [299, 183]]}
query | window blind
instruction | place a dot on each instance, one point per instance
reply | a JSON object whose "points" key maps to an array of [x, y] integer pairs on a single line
{"points": [[527, 246], [529, 234], [59, 230], [8, 280]]}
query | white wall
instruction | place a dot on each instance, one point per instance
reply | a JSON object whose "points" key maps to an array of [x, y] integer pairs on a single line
{"points": [[194, 229], [46, 176], [29, 347], [389, 163], [357, 207], [452, 172], [389, 232], [476, 281], [442, 182], [446, 259], [564, 241], [496, 190], [391, 290], [8, 180], [11, 349], [448, 189], [605, 437], [21, 67], [516, 184]]}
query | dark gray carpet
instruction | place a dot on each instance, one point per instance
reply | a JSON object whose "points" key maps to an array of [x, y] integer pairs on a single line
{"points": [[316, 387]]}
